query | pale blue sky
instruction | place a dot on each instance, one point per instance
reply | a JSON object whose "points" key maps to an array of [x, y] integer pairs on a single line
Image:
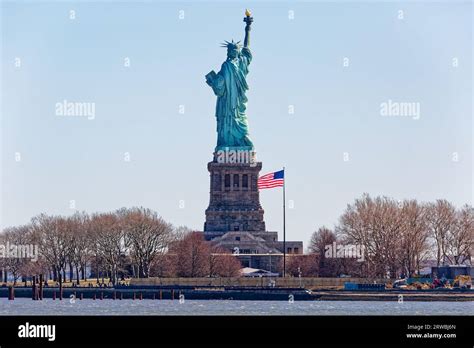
{"points": [[296, 62]]}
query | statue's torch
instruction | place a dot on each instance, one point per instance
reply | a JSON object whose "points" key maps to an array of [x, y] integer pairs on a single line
{"points": [[248, 21]]}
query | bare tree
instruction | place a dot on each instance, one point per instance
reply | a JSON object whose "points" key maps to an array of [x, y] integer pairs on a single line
{"points": [[461, 238], [82, 242], [304, 265], [180, 232], [414, 237], [147, 234], [320, 241], [222, 263], [376, 225], [55, 241], [110, 241], [164, 265], [192, 255], [441, 217], [15, 238]]}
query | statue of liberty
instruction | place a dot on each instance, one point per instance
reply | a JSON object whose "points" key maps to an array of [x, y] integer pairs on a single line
{"points": [[230, 86]]}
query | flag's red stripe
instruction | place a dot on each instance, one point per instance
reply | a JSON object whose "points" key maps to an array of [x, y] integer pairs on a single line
{"points": [[268, 181], [270, 184], [264, 187]]}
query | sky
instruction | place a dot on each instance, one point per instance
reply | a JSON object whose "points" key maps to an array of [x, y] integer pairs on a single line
{"points": [[320, 74]]}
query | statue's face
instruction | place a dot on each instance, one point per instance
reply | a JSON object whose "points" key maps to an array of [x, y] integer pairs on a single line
{"points": [[232, 53]]}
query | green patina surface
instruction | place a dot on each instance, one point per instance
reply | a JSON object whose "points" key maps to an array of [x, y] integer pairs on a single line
{"points": [[230, 87]]}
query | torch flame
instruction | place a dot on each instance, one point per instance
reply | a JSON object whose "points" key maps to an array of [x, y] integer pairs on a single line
{"points": [[247, 13]]}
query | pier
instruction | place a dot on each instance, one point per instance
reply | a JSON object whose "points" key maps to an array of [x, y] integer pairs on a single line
{"points": [[233, 293]]}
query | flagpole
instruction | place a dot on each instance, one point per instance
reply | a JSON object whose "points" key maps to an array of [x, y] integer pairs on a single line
{"points": [[284, 226]]}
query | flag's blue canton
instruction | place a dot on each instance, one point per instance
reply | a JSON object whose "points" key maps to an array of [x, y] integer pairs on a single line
{"points": [[279, 175]]}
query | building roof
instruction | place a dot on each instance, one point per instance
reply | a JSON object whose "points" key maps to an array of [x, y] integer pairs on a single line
{"points": [[252, 272]]}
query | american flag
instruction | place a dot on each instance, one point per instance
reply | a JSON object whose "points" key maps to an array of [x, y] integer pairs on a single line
{"points": [[271, 180]]}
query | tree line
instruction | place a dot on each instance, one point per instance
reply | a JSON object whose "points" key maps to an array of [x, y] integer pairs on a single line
{"points": [[133, 242], [397, 237]]}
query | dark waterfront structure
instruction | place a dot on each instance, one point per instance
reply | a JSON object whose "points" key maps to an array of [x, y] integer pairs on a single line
{"points": [[452, 271]]}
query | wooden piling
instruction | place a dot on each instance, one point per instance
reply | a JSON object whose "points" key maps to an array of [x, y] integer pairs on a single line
{"points": [[134, 297], [94, 297], [154, 296], [172, 294], [54, 295], [60, 287], [121, 295], [11, 293], [141, 296], [161, 294], [81, 296], [33, 289], [101, 295], [115, 295], [41, 281]]}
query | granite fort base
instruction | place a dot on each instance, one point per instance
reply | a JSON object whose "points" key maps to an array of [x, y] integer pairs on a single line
{"points": [[234, 218]]}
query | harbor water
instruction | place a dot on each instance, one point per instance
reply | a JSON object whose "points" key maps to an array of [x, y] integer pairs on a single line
{"points": [[71, 306]]}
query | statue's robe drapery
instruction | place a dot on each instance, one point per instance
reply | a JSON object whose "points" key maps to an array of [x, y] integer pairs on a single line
{"points": [[230, 86]]}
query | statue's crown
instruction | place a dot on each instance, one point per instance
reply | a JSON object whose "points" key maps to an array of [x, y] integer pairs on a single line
{"points": [[231, 45]]}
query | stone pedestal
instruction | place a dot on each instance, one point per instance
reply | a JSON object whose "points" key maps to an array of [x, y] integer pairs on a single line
{"points": [[234, 218], [234, 199]]}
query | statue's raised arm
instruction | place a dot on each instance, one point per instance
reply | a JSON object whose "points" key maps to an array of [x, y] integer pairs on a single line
{"points": [[248, 20]]}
